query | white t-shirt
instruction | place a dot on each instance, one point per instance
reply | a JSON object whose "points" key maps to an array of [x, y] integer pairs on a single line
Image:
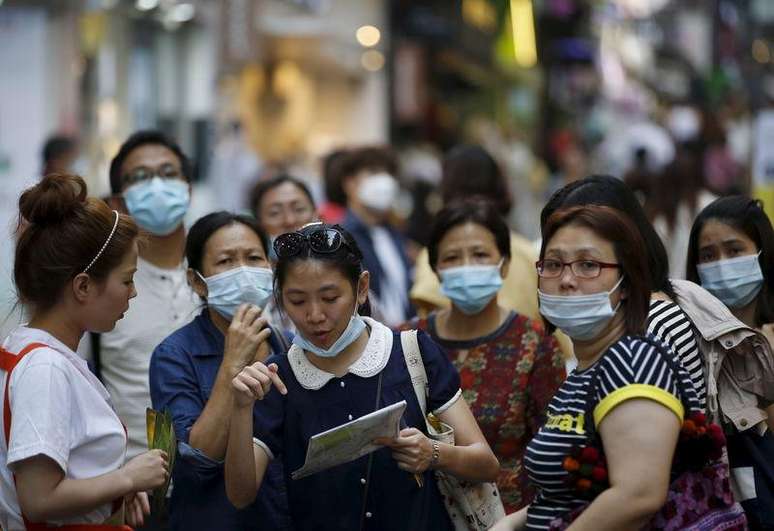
{"points": [[60, 410], [163, 304]]}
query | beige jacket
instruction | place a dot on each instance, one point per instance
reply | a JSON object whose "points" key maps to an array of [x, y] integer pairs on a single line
{"points": [[738, 360]]}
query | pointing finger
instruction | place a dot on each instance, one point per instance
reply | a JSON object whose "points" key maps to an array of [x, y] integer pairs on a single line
{"points": [[275, 378]]}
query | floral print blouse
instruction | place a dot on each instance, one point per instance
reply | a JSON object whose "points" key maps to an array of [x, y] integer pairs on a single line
{"points": [[507, 378]]}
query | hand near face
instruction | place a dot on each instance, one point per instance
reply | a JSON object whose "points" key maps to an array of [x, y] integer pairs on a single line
{"points": [[247, 338]]}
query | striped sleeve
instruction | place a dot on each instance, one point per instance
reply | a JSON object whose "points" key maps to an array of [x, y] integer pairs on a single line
{"points": [[669, 323], [633, 368]]}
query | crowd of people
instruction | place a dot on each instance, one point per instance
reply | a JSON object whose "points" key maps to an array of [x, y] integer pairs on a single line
{"points": [[591, 387]]}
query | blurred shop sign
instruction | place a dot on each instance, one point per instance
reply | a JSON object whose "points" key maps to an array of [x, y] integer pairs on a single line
{"points": [[315, 6], [762, 11], [238, 34], [763, 161], [409, 83], [480, 14]]}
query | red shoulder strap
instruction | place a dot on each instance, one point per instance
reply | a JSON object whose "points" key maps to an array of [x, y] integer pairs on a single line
{"points": [[8, 362]]}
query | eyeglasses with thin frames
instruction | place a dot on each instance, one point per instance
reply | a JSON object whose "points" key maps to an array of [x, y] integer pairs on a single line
{"points": [[144, 173], [587, 269]]}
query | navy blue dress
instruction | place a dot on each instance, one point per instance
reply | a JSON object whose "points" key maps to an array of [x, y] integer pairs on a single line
{"points": [[333, 499], [182, 373]]}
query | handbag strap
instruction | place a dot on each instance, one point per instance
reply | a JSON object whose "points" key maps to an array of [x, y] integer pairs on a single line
{"points": [[370, 458], [416, 367]]}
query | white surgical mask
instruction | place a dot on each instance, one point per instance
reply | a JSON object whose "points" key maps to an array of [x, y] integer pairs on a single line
{"points": [[228, 290], [471, 287], [378, 191], [353, 330], [735, 281], [579, 316]]}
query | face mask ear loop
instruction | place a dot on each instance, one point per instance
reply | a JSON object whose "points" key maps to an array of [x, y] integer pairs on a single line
{"points": [[617, 285], [609, 293]]}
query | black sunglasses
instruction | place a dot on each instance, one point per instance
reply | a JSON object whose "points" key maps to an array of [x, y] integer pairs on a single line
{"points": [[322, 241]]}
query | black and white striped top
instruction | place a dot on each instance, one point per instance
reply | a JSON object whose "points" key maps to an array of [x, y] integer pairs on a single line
{"points": [[631, 368], [668, 322]]}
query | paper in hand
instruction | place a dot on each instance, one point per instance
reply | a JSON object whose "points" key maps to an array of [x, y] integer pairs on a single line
{"points": [[350, 441]]}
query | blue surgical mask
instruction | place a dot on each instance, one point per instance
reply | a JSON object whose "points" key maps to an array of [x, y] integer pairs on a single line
{"points": [[735, 281], [579, 316], [228, 290], [351, 333], [158, 205], [471, 287]]}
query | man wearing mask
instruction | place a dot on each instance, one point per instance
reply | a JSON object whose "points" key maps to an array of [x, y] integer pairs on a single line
{"points": [[371, 190], [149, 179]]}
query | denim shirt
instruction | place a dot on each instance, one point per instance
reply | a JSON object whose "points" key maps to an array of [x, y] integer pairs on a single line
{"points": [[182, 373]]}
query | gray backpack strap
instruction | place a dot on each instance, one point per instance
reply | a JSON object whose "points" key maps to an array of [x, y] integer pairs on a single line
{"points": [[416, 367]]}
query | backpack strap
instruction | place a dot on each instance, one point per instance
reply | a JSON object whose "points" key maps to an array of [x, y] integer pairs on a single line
{"points": [[416, 367]]}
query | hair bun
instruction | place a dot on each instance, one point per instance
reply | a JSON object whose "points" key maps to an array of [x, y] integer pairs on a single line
{"points": [[55, 198]]}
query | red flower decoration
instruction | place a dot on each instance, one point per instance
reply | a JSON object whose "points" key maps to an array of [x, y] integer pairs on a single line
{"points": [[570, 464], [599, 473], [467, 379], [689, 427], [589, 455]]}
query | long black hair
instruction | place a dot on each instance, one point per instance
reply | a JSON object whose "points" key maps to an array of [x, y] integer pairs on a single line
{"points": [[747, 215]]}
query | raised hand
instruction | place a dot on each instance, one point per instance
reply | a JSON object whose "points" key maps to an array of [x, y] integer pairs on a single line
{"points": [[247, 338], [254, 382]]}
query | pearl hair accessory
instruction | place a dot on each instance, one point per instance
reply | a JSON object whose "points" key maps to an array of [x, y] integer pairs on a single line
{"points": [[104, 246]]}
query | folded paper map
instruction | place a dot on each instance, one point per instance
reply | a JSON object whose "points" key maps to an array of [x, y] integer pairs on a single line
{"points": [[350, 441]]}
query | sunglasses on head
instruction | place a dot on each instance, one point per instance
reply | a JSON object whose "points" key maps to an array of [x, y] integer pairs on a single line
{"points": [[325, 240]]}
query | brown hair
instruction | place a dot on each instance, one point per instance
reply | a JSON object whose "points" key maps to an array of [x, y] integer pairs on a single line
{"points": [[61, 232], [615, 227]]}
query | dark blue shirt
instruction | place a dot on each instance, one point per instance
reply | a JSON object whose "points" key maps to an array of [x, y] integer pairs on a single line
{"points": [[333, 499], [182, 373]]}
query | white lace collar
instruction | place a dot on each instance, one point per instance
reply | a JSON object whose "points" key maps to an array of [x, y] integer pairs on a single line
{"points": [[373, 359]]}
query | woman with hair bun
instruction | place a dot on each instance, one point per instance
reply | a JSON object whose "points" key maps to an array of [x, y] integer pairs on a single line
{"points": [[63, 446]]}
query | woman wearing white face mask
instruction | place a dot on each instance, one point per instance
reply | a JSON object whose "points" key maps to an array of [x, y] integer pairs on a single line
{"points": [[191, 372], [343, 366], [628, 396], [731, 254], [509, 366]]}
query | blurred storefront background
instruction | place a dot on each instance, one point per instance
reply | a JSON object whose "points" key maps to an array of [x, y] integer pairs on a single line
{"points": [[556, 89]]}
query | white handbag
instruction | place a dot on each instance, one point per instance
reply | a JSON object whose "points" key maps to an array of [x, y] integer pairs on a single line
{"points": [[471, 506]]}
